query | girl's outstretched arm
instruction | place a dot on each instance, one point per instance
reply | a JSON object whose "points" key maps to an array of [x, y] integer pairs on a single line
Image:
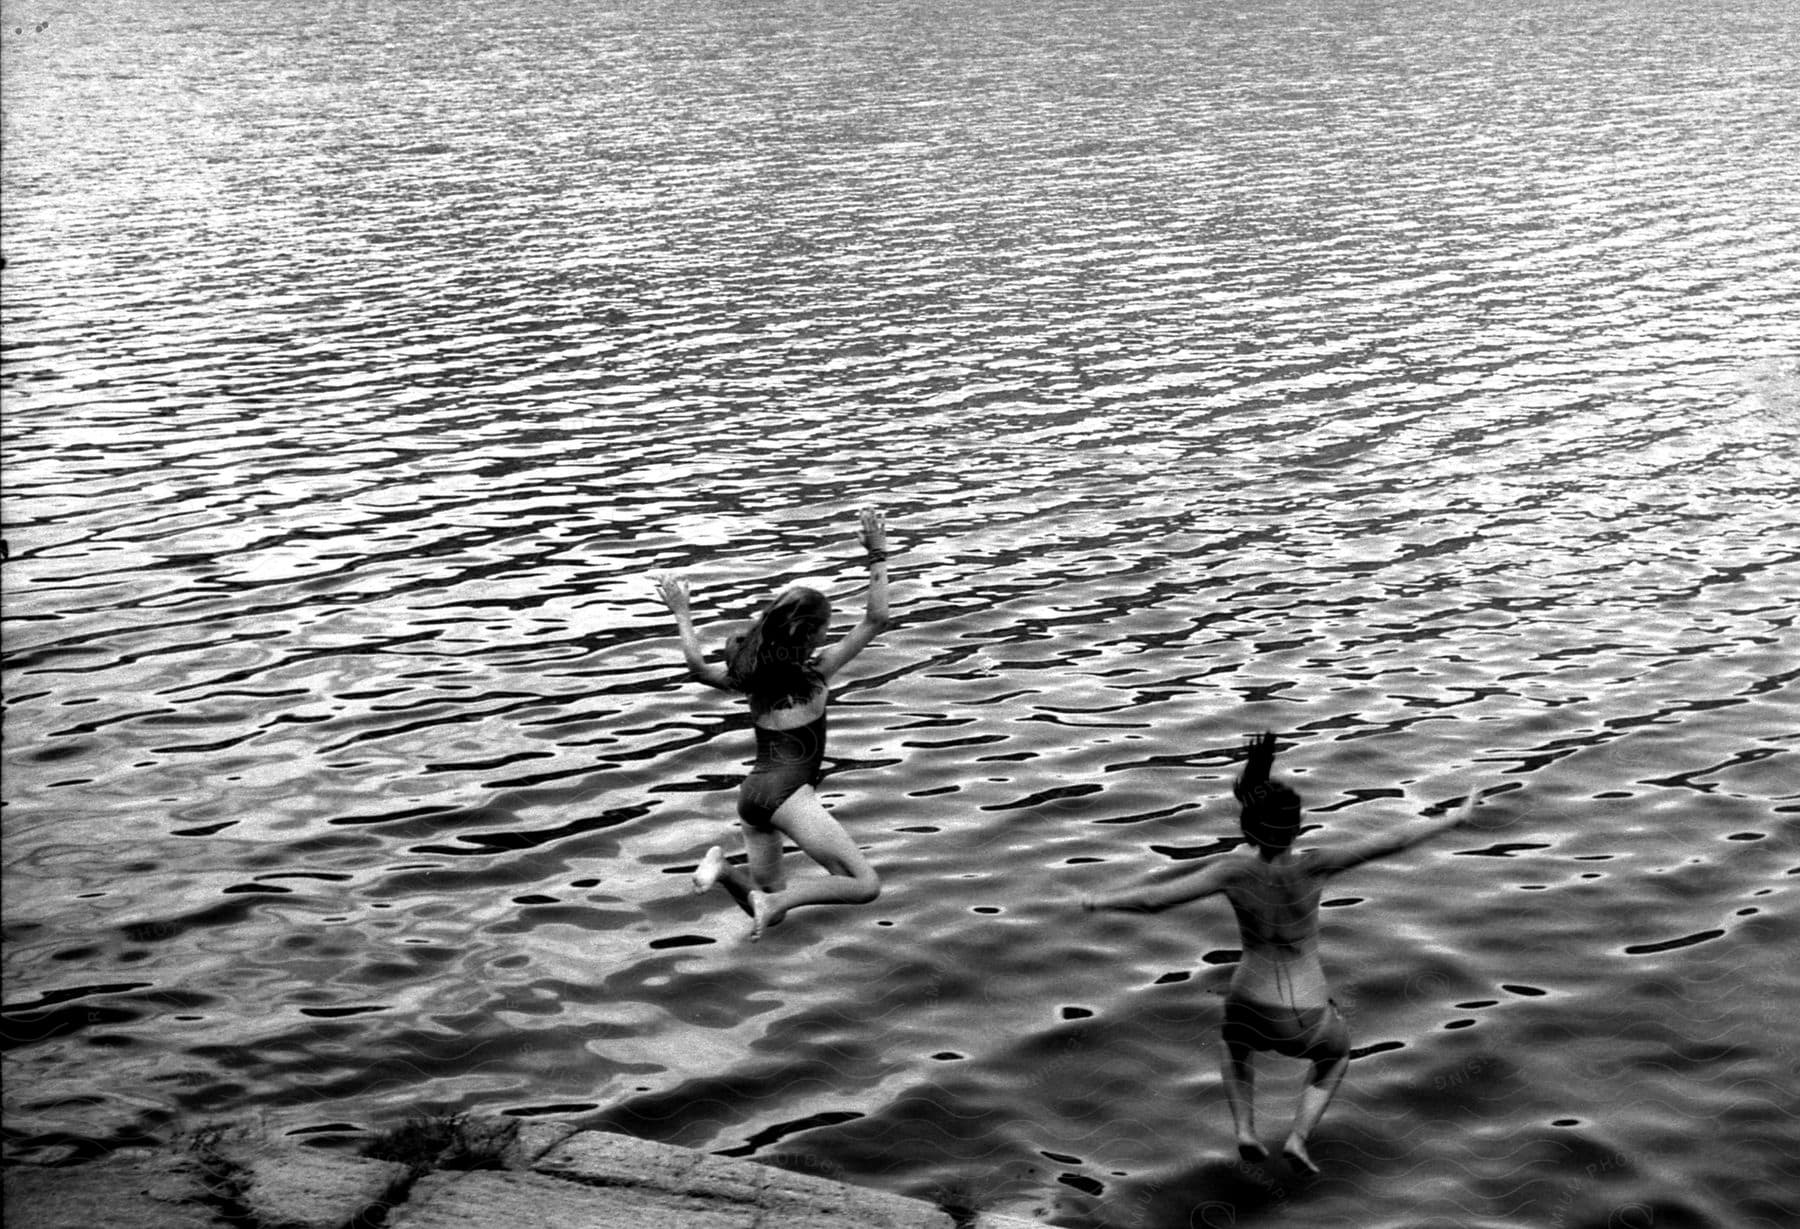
{"points": [[1206, 880], [1328, 862], [873, 535], [674, 593]]}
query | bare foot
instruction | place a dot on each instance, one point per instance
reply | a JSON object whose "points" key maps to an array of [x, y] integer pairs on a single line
{"points": [[1252, 1151], [1295, 1153], [711, 867], [762, 914]]}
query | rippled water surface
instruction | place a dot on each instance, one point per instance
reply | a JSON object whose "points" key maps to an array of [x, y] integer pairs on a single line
{"points": [[1418, 380]]}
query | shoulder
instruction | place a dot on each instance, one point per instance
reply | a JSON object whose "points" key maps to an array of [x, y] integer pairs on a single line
{"points": [[1251, 870], [1323, 863], [1229, 871]]}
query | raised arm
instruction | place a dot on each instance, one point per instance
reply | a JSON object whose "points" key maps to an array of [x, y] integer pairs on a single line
{"points": [[873, 535], [1330, 862], [674, 593], [1154, 898]]}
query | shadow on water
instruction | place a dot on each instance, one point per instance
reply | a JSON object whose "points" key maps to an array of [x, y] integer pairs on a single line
{"points": [[1211, 1194]]}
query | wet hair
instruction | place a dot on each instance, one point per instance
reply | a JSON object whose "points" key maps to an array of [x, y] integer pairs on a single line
{"points": [[770, 661], [1270, 810]]}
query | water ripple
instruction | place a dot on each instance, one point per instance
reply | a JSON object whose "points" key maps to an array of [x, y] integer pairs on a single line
{"points": [[1419, 382]]}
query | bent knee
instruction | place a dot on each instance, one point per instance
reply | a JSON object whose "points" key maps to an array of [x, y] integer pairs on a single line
{"points": [[868, 887]]}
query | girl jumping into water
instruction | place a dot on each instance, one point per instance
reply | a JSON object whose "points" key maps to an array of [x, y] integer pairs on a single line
{"points": [[776, 664], [1279, 999]]}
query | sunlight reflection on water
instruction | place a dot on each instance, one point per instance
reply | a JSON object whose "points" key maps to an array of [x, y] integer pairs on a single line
{"points": [[1419, 386]]}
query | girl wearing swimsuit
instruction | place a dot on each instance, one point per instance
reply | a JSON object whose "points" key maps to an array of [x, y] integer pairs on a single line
{"points": [[1279, 998], [773, 663]]}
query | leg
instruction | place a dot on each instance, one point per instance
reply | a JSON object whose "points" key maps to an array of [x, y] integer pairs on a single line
{"points": [[1240, 1094], [1327, 1074], [762, 847], [852, 881], [1330, 1055], [762, 873], [1242, 1033]]}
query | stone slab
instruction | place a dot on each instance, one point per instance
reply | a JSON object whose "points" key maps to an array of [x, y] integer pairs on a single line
{"points": [[303, 1188], [764, 1193], [601, 1158], [787, 1192], [681, 1177], [503, 1200], [531, 1140], [582, 1180], [159, 1192]]}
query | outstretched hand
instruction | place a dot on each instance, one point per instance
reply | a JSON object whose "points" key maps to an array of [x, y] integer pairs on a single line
{"points": [[674, 592], [1473, 815], [872, 531]]}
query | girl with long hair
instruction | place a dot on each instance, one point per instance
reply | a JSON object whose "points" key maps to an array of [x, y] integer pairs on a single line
{"points": [[776, 663]]}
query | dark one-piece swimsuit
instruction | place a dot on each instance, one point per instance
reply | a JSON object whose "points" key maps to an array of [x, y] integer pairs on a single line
{"points": [[785, 761]]}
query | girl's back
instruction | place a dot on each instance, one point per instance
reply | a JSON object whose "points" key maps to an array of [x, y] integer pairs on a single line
{"points": [[1277, 906], [1277, 902]]}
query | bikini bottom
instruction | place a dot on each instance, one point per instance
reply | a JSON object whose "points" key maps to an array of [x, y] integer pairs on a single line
{"points": [[1313, 1033]]}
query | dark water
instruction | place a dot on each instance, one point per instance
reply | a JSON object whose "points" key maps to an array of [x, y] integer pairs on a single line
{"points": [[1417, 379]]}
